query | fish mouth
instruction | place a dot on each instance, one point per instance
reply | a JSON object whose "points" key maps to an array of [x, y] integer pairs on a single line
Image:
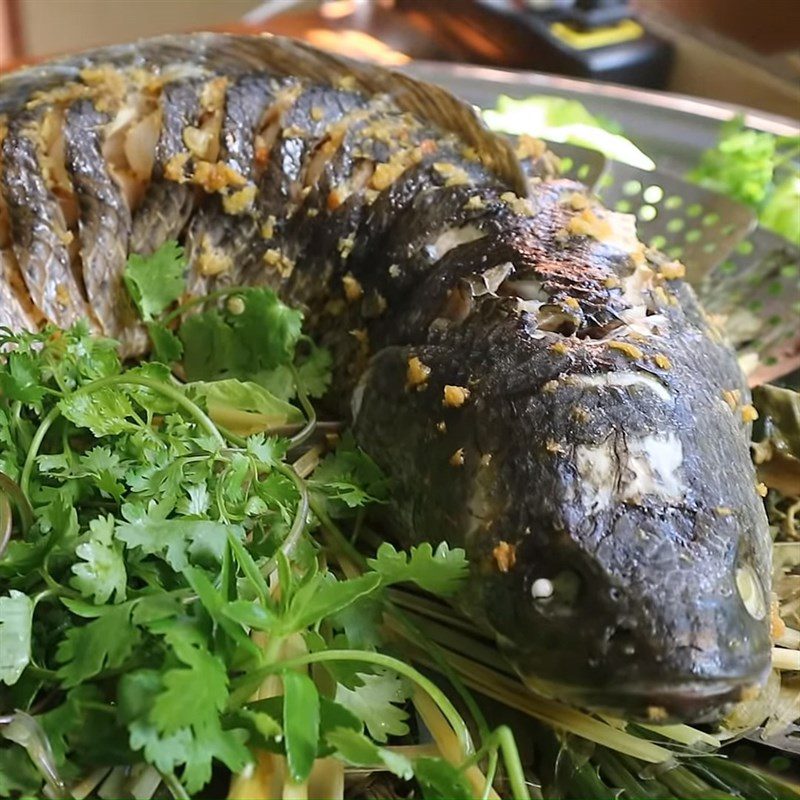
{"points": [[691, 701]]}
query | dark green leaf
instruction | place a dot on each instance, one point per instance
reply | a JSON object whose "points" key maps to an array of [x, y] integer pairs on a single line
{"points": [[156, 281], [440, 780], [16, 617], [166, 345], [300, 723]]}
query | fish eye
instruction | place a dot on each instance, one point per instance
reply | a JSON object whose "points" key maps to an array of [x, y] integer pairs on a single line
{"points": [[751, 592], [563, 588]]}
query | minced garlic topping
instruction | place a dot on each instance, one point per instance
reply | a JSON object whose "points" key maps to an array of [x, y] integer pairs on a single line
{"points": [[214, 176], [749, 413], [174, 168], [417, 372], [457, 459], [268, 228], [352, 288], [587, 223], [761, 489], [672, 270], [212, 260], [662, 361], [346, 245], [505, 556], [521, 206], [241, 201], [452, 173], [630, 350], [530, 147], [455, 396], [281, 263], [578, 201], [474, 203]]}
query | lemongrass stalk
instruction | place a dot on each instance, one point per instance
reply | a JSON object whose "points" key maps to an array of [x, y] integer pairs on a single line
{"points": [[560, 716], [307, 462], [685, 734], [294, 791], [789, 638], [327, 779], [785, 660], [449, 746]]}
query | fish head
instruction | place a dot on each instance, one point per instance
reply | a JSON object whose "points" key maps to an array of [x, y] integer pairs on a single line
{"points": [[639, 624], [641, 589]]}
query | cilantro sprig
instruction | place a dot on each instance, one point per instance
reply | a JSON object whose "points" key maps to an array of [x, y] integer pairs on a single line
{"points": [[170, 575]]}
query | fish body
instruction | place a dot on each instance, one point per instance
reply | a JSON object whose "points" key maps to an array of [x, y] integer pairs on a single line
{"points": [[542, 389]]}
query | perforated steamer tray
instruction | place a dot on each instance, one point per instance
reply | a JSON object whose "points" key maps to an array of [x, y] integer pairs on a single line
{"points": [[748, 277]]}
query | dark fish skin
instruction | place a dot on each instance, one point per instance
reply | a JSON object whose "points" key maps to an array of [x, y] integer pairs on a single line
{"points": [[247, 100], [541, 389], [167, 205], [38, 228], [13, 314], [105, 225]]}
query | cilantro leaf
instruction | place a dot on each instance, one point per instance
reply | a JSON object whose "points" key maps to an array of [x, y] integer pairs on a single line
{"points": [[105, 411], [177, 541], [243, 407], [204, 679], [300, 723], [440, 780], [261, 335], [375, 703], [102, 570], [349, 478], [20, 378], [156, 281], [166, 345], [16, 618], [323, 596], [441, 571], [358, 751], [104, 643]]}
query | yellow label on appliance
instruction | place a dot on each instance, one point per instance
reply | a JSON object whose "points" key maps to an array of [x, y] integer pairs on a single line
{"points": [[625, 31]]}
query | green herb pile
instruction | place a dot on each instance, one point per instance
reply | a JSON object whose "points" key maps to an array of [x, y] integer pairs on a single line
{"points": [[759, 170], [195, 600], [162, 560]]}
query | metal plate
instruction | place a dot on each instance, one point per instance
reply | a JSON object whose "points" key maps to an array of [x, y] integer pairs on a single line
{"points": [[672, 129]]}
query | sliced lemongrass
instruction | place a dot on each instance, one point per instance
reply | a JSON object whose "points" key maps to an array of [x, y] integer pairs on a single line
{"points": [[508, 691], [90, 783], [447, 742], [785, 660], [327, 779], [307, 462], [790, 638], [685, 734]]}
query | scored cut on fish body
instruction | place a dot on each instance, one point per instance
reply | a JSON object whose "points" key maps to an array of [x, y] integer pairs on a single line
{"points": [[104, 226], [167, 205], [39, 231], [542, 389]]}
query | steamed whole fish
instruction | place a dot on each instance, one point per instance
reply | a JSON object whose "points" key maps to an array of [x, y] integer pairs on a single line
{"points": [[543, 390]]}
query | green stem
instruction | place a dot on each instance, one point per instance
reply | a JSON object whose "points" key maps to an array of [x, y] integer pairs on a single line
{"points": [[202, 300], [379, 659], [17, 496], [292, 539], [174, 785], [38, 438], [311, 415], [339, 539], [503, 739]]}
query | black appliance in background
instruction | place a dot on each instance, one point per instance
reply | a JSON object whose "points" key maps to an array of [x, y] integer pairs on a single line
{"points": [[594, 39]]}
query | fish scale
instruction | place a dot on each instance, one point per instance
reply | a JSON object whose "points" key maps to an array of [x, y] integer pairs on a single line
{"points": [[541, 389]]}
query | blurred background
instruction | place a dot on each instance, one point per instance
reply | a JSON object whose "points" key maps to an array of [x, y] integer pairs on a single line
{"points": [[740, 51]]}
